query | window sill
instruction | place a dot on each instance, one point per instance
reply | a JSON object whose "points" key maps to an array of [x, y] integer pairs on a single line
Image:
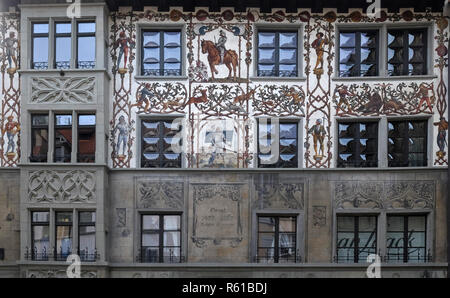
{"points": [[384, 78], [300, 79], [161, 78]]}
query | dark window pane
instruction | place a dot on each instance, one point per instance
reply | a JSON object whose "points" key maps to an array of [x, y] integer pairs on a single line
{"points": [[39, 138], [358, 54], [407, 143], [63, 138], [86, 138], [277, 239], [277, 54], [358, 144]]}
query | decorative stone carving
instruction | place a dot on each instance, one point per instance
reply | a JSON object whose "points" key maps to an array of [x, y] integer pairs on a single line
{"points": [[319, 216], [385, 195], [62, 186], [63, 90], [217, 214], [163, 194], [53, 273], [280, 196], [121, 217]]}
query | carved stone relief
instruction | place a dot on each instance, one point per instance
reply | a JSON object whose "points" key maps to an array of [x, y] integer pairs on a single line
{"points": [[163, 194], [319, 216], [121, 217], [63, 90], [280, 196], [385, 195], [53, 273], [217, 214], [62, 186]]}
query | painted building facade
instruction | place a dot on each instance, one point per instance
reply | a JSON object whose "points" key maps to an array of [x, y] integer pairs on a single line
{"points": [[140, 139]]}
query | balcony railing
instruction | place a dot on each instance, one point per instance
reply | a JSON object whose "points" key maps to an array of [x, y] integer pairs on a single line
{"points": [[86, 64], [269, 257], [143, 257], [396, 257], [85, 255]]}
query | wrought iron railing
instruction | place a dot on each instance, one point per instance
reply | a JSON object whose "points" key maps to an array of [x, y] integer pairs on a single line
{"points": [[40, 65], [86, 64], [62, 64], [85, 255], [269, 257], [395, 257], [143, 257]]}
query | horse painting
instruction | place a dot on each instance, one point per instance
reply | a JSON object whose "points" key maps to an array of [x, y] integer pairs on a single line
{"points": [[230, 58]]}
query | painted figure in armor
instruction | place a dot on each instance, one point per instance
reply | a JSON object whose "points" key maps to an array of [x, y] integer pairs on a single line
{"points": [[220, 44]]}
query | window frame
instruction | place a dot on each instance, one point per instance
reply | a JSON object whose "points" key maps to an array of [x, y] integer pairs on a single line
{"points": [[359, 121], [58, 255], [277, 48], [38, 35], [33, 140], [357, 47], [276, 247], [78, 127], [406, 46], [85, 34], [161, 31], [298, 137], [55, 36], [55, 128], [405, 231], [43, 224], [160, 232], [426, 142], [356, 257], [90, 256], [160, 137]]}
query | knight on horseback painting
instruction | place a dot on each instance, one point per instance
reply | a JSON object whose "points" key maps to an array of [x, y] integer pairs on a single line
{"points": [[219, 55]]}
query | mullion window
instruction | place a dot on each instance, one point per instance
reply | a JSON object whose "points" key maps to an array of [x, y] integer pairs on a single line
{"points": [[86, 138], [157, 138], [39, 138], [63, 235], [351, 233], [272, 246], [403, 43], [406, 238], [277, 60], [168, 49], [167, 242], [63, 39], [352, 151], [39, 46], [287, 144], [407, 143], [352, 64], [86, 45], [40, 239], [63, 138], [86, 235]]}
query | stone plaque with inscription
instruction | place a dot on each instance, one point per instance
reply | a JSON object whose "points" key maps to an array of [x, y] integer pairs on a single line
{"points": [[218, 215]]}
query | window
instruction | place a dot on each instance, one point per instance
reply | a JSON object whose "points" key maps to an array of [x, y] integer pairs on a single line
{"points": [[63, 235], [356, 238], [161, 53], [287, 155], [39, 36], [158, 136], [358, 144], [86, 236], [407, 52], [39, 138], [63, 45], [277, 239], [63, 138], [407, 145], [358, 54], [40, 235], [161, 239], [277, 54], [406, 238], [86, 45], [86, 138]]}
